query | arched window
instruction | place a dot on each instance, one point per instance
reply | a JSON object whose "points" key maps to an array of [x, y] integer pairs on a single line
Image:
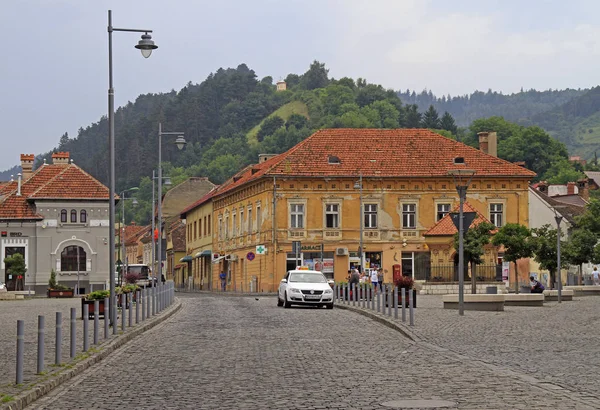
{"points": [[73, 215], [63, 216], [83, 216], [71, 257]]}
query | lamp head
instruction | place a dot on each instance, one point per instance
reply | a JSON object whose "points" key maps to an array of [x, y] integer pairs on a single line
{"points": [[134, 202], [146, 45], [357, 185], [180, 142], [167, 181]]}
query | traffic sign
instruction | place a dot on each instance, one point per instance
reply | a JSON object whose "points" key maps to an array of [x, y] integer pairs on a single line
{"points": [[250, 256], [261, 250]]}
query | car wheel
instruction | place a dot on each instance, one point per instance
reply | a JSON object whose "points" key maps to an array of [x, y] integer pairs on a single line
{"points": [[329, 305], [279, 301], [286, 303]]}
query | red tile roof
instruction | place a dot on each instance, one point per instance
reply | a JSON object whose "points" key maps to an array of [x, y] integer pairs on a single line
{"points": [[56, 181], [377, 153], [445, 226], [178, 237]]}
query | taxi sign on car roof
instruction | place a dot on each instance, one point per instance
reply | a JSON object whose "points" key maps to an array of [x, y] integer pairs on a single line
{"points": [[302, 268]]}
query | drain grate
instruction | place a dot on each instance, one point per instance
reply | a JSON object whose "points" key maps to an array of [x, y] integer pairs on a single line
{"points": [[420, 404]]}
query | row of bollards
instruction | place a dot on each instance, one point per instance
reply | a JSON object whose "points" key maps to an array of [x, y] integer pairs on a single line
{"points": [[159, 297], [377, 299]]}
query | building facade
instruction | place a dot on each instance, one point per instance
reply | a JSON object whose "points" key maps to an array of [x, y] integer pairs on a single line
{"points": [[312, 195], [57, 218]]}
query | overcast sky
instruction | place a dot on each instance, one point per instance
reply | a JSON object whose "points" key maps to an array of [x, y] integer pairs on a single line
{"points": [[54, 66]]}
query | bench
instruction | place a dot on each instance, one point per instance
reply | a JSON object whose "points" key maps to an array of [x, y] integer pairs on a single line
{"points": [[11, 296], [524, 299], [590, 290], [483, 302], [552, 295]]}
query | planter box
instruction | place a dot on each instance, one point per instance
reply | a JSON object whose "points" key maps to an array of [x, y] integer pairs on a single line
{"points": [[90, 304], [53, 293], [126, 299], [406, 304]]}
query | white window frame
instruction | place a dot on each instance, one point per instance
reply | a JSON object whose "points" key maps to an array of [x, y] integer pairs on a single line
{"points": [[220, 227], [258, 217], [406, 222], [242, 226], [494, 213], [297, 215], [336, 214], [234, 225], [438, 211], [370, 218], [250, 221], [226, 226]]}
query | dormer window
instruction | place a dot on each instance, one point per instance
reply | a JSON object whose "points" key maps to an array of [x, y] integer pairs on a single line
{"points": [[63, 216], [333, 159], [73, 216], [459, 160]]}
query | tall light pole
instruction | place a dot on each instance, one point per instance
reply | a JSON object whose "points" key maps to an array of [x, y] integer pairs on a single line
{"points": [[124, 261], [167, 182], [462, 178], [146, 45], [558, 220], [359, 185], [180, 142]]}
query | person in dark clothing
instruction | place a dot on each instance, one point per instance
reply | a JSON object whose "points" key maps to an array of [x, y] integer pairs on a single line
{"points": [[536, 286]]}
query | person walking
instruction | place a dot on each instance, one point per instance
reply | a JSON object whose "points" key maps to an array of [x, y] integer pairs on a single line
{"points": [[374, 279], [223, 277], [380, 278], [596, 276]]}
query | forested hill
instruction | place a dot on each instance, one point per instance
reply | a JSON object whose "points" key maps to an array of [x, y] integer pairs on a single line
{"points": [[517, 107]]}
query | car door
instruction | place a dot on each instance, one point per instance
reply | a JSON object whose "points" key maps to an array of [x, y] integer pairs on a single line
{"points": [[283, 286]]}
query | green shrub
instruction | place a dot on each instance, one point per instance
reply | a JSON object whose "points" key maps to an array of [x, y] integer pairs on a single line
{"points": [[98, 295]]}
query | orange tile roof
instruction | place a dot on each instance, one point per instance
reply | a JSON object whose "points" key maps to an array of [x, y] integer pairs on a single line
{"points": [[445, 226], [377, 153], [50, 181]]}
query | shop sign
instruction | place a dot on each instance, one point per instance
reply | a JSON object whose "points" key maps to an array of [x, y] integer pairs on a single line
{"points": [[16, 234], [311, 247]]}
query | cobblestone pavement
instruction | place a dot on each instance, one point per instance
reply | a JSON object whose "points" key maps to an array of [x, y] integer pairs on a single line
{"points": [[221, 353], [557, 343]]}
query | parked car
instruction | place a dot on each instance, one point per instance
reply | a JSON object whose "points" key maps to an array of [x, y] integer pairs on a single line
{"points": [[305, 287]]}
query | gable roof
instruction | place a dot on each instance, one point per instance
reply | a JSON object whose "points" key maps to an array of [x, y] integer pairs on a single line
{"points": [[567, 210], [199, 202], [377, 153], [50, 181], [445, 226]]}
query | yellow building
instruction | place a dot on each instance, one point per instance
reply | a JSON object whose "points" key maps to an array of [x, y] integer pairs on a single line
{"points": [[199, 242], [311, 194]]}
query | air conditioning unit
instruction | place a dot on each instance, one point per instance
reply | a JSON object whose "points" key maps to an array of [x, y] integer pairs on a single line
{"points": [[341, 251]]}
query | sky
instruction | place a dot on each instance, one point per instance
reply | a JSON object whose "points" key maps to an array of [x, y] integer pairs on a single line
{"points": [[54, 65]]}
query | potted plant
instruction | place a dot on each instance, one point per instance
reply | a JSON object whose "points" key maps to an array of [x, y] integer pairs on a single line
{"points": [[407, 283], [90, 300], [56, 290]]}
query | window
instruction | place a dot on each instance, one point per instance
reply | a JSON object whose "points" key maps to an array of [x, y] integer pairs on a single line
{"points": [[195, 236], [226, 227], [258, 218], [72, 259], [209, 224], [205, 226], [83, 216], [370, 215], [63, 216], [249, 220], [234, 225], [296, 215], [199, 227], [242, 222], [496, 211], [409, 216], [220, 228], [442, 211], [332, 216], [73, 216]]}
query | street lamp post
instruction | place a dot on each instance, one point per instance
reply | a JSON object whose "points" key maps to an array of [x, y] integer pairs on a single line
{"points": [[359, 185], [167, 181], [558, 220], [180, 142], [124, 261], [462, 179], [146, 45]]}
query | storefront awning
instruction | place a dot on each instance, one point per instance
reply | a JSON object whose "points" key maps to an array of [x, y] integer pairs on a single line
{"points": [[216, 260], [186, 258], [206, 253]]}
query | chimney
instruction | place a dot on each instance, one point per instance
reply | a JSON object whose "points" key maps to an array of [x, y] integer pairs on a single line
{"points": [[543, 187], [483, 141], [584, 188], [27, 165], [60, 158], [571, 188], [19, 181], [493, 144], [264, 157]]}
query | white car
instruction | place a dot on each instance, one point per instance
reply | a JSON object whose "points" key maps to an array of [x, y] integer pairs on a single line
{"points": [[305, 287]]}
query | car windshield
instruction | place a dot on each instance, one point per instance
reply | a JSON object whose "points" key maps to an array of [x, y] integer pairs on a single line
{"points": [[307, 277]]}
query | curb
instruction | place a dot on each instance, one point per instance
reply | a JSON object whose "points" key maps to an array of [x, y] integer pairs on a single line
{"points": [[383, 320], [26, 398]]}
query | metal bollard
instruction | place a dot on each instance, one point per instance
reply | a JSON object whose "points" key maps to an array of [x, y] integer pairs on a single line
{"points": [[86, 319], [40, 345], [411, 308], [106, 318], [96, 321], [363, 289], [153, 299], [123, 307], [403, 304], [143, 302], [130, 310], [20, 349], [73, 331], [138, 297], [354, 294], [389, 301], [395, 302], [58, 341], [379, 302]]}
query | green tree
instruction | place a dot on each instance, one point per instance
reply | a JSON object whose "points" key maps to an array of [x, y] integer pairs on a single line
{"points": [[15, 265], [431, 118], [580, 248], [562, 171], [447, 123], [335, 97], [316, 76], [518, 244], [297, 120], [412, 117], [64, 141], [269, 126], [474, 241], [544, 243], [590, 219]]}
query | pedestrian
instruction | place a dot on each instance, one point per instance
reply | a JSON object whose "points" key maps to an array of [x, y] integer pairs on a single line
{"points": [[536, 286], [19, 282], [223, 277], [380, 278], [596, 276], [374, 279]]}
